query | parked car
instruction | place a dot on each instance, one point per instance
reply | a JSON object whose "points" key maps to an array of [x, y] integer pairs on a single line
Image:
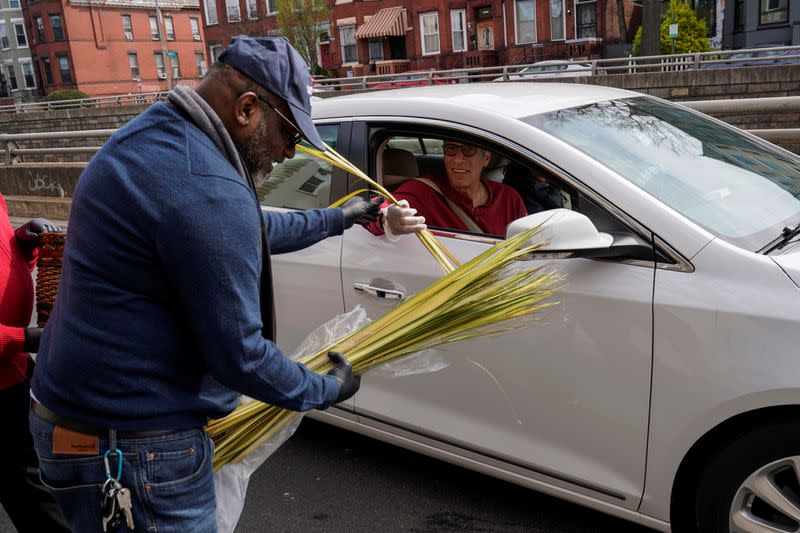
{"points": [[550, 69], [663, 387], [756, 58], [321, 84], [413, 78]]}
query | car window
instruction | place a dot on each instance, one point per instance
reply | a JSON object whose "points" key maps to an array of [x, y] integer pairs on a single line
{"points": [[302, 182], [403, 158], [736, 188]]}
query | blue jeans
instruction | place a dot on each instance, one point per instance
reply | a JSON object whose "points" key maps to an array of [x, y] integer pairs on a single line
{"points": [[169, 476]]}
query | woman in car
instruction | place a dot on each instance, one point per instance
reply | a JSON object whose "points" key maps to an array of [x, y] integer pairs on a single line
{"points": [[462, 199]]}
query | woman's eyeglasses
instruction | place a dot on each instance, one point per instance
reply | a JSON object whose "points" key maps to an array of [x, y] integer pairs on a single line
{"points": [[468, 150], [294, 138]]}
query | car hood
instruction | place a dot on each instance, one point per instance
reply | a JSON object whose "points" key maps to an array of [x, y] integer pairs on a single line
{"points": [[790, 263]]}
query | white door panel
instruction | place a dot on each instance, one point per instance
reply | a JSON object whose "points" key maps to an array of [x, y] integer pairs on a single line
{"points": [[567, 396]]}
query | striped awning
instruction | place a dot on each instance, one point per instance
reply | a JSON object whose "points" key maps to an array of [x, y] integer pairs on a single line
{"points": [[387, 21]]}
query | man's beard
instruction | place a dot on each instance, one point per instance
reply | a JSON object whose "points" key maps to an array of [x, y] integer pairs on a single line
{"points": [[257, 154]]}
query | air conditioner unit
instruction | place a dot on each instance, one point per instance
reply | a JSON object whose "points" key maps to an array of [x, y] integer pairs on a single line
{"points": [[162, 75], [129, 35], [136, 78], [196, 37]]}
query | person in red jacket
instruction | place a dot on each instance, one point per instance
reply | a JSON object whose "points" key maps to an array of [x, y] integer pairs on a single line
{"points": [[25, 500], [462, 199]]}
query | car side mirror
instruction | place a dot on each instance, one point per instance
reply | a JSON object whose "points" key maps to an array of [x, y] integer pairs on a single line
{"points": [[571, 234]]}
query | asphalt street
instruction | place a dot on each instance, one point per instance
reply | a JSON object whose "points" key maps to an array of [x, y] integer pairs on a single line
{"points": [[328, 480]]}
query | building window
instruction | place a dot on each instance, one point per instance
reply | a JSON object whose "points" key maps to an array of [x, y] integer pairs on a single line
{"points": [[170, 28], [63, 66], [13, 4], [525, 18], [48, 72], [154, 33], [19, 31], [12, 77], [176, 66], [738, 14], [214, 51], [211, 12], [27, 74], [585, 19], [232, 7], [127, 27], [55, 24], [252, 9], [774, 11], [201, 64], [347, 36], [557, 20], [459, 27], [39, 22], [272, 7], [429, 22], [195, 25], [133, 61], [376, 49], [4, 37], [162, 73]]}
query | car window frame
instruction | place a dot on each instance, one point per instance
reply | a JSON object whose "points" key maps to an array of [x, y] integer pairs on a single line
{"points": [[665, 256]]}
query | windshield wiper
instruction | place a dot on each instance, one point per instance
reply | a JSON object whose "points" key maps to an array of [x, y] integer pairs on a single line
{"points": [[783, 239]]}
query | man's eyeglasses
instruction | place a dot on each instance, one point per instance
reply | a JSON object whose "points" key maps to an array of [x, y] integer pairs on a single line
{"points": [[468, 150], [294, 138]]}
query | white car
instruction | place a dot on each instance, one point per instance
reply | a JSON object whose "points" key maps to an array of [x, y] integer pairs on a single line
{"points": [[664, 388], [550, 69]]}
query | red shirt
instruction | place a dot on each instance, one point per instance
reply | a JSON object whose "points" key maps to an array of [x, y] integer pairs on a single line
{"points": [[503, 206], [16, 302]]}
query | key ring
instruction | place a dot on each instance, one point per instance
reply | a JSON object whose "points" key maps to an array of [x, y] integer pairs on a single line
{"points": [[118, 452]]}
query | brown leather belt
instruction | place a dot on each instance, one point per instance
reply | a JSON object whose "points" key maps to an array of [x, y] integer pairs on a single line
{"points": [[73, 425]]}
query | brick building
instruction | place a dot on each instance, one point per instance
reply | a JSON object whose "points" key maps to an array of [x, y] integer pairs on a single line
{"points": [[368, 37], [105, 47], [17, 82]]}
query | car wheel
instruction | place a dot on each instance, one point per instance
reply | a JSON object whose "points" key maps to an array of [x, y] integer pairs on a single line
{"points": [[752, 485]]}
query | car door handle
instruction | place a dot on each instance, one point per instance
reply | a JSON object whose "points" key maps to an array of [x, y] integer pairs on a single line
{"points": [[380, 292]]}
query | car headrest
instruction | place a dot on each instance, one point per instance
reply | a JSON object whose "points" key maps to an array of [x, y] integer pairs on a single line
{"points": [[398, 166]]}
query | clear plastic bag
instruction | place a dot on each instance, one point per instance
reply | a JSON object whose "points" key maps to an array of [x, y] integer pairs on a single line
{"points": [[231, 481]]}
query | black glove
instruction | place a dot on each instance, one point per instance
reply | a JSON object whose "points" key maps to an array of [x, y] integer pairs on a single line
{"points": [[32, 338], [29, 233], [343, 372], [358, 211]]}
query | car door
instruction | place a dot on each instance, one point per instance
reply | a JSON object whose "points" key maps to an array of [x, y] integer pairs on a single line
{"points": [[564, 402], [307, 283]]}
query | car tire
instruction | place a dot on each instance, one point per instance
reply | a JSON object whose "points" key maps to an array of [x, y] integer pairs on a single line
{"points": [[756, 466]]}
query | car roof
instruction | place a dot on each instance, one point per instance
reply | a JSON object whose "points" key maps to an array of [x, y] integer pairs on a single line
{"points": [[509, 99]]}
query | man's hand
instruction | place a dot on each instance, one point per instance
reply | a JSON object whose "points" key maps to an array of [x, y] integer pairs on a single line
{"points": [[32, 338], [400, 219], [358, 211], [343, 372], [29, 234]]}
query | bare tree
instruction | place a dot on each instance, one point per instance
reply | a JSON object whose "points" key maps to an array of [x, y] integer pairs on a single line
{"points": [[301, 21]]}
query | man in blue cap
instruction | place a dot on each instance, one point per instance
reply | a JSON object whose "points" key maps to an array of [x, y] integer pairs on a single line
{"points": [[165, 311]]}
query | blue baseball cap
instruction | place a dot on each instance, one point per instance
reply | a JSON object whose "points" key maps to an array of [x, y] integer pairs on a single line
{"points": [[272, 63]]}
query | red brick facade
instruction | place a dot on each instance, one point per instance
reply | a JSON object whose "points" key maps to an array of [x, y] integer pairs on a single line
{"points": [[492, 34], [95, 53]]}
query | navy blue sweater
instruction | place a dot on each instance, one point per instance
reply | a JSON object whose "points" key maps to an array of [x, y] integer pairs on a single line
{"points": [[157, 319]]}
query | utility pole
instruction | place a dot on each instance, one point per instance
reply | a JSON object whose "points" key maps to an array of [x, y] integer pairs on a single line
{"points": [[651, 28], [167, 63]]}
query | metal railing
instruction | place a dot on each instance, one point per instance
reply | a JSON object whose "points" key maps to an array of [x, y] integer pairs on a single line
{"points": [[14, 153], [513, 72], [93, 102]]}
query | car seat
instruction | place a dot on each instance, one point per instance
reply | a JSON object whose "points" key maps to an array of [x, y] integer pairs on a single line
{"points": [[398, 166]]}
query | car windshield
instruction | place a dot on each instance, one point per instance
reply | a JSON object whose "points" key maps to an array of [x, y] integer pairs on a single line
{"points": [[734, 187]]}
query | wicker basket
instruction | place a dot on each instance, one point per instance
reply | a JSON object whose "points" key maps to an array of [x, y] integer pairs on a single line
{"points": [[51, 250]]}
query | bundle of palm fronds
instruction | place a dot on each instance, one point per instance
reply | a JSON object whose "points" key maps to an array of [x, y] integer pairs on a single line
{"points": [[478, 299]]}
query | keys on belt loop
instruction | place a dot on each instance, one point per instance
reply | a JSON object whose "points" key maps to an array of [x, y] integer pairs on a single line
{"points": [[116, 503]]}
